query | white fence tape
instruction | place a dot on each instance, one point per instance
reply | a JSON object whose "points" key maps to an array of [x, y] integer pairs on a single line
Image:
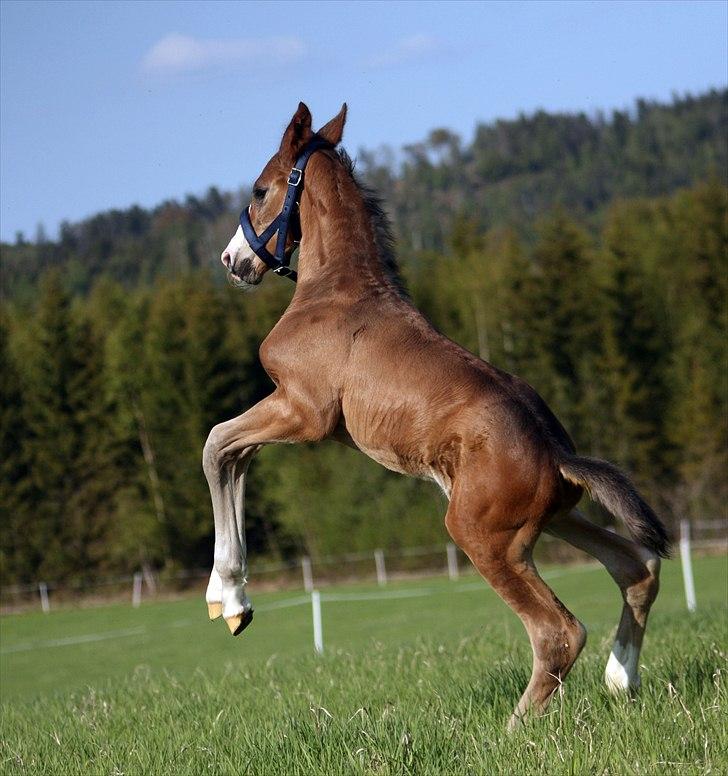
{"points": [[711, 535], [71, 641], [315, 599]]}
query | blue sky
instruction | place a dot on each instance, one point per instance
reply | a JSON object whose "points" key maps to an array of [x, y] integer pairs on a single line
{"points": [[106, 104]]}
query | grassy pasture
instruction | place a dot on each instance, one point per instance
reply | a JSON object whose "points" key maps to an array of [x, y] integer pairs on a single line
{"points": [[409, 684]]}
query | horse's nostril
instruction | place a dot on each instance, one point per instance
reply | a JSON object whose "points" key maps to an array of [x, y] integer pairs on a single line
{"points": [[226, 260]]}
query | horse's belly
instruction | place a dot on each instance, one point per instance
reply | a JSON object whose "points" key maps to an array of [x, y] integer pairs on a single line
{"points": [[387, 438], [387, 458], [393, 462]]}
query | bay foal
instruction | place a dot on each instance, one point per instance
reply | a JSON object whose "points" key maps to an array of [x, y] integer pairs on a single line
{"points": [[352, 359]]}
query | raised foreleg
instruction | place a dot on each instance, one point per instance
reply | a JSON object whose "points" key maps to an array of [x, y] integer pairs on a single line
{"points": [[237, 472], [226, 456]]}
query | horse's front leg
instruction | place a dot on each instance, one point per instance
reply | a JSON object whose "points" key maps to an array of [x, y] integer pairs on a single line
{"points": [[237, 472], [227, 454]]}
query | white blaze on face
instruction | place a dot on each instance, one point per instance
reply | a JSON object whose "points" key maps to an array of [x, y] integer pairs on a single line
{"points": [[237, 250]]}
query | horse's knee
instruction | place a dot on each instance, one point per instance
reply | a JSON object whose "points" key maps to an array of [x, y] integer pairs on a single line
{"points": [[491, 550], [212, 451], [218, 449]]}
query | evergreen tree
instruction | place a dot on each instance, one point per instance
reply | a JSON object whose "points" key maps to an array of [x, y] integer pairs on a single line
{"points": [[697, 232], [52, 439], [562, 320], [635, 351], [140, 535], [15, 495]]}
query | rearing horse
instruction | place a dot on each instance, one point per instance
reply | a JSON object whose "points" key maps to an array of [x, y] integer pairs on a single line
{"points": [[353, 360]]}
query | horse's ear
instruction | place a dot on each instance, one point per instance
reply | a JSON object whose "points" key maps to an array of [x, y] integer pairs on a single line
{"points": [[297, 134], [335, 128]]}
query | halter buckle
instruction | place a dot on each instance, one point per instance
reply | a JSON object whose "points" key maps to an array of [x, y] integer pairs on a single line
{"points": [[295, 177]]}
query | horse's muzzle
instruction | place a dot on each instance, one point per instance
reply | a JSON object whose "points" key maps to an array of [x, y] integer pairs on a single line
{"points": [[244, 273]]}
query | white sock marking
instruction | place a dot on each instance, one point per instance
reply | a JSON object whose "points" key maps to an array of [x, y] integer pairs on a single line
{"points": [[213, 595], [622, 668], [234, 600]]}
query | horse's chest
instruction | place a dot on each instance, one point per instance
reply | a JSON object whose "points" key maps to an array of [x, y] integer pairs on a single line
{"points": [[304, 345], [276, 357], [285, 353]]}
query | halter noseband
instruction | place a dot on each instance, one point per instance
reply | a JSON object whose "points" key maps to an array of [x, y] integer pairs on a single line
{"points": [[279, 262]]}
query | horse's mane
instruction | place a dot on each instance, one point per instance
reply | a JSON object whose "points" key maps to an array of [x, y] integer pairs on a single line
{"points": [[382, 228]]}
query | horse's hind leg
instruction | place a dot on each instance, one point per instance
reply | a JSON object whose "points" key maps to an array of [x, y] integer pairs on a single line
{"points": [[503, 557], [636, 570]]}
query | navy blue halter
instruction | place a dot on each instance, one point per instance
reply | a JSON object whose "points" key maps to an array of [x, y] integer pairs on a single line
{"points": [[279, 262]]}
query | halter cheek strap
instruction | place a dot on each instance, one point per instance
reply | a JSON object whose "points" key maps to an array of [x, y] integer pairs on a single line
{"points": [[278, 261]]}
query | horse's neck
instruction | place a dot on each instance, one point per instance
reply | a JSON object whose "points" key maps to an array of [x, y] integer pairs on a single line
{"points": [[338, 248]]}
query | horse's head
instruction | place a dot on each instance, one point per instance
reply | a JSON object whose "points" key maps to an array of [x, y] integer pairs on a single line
{"points": [[269, 191]]}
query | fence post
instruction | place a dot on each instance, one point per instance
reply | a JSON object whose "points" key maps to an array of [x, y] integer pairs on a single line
{"points": [[381, 568], [687, 566], [44, 602], [307, 574], [148, 576], [136, 591], [318, 634], [452, 561]]}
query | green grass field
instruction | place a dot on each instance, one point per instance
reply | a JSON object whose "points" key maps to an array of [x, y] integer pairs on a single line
{"points": [[421, 682]]}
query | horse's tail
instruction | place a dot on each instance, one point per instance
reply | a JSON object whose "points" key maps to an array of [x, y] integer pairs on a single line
{"points": [[614, 490]]}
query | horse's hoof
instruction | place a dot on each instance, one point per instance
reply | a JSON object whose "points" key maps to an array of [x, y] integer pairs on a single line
{"points": [[239, 622], [514, 723], [214, 610]]}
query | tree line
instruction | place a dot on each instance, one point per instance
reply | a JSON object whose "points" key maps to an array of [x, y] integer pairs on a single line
{"points": [[120, 347], [511, 173]]}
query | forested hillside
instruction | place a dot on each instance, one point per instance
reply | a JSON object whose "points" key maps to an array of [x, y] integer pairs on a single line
{"points": [[588, 255], [512, 173]]}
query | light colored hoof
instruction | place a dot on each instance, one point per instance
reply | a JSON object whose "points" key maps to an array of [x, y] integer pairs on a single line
{"points": [[239, 622], [214, 610]]}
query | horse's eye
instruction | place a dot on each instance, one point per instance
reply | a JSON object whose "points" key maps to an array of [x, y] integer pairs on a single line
{"points": [[259, 193]]}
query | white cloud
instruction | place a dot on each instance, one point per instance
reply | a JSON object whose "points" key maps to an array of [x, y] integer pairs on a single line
{"points": [[175, 54], [412, 49]]}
